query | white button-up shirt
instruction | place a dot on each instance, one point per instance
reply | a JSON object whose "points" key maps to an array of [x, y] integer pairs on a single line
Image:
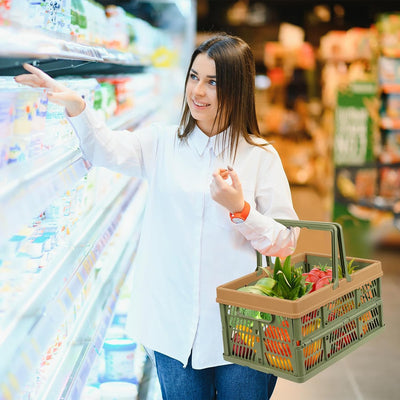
{"points": [[188, 244]]}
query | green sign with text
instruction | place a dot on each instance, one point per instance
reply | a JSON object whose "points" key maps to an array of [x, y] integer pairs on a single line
{"points": [[353, 141]]}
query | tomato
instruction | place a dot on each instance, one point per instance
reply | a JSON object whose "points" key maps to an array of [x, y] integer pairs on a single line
{"points": [[322, 282], [319, 277], [312, 277], [322, 271]]}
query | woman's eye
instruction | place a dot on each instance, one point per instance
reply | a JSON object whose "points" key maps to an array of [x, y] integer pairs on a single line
{"points": [[193, 76], [213, 83]]}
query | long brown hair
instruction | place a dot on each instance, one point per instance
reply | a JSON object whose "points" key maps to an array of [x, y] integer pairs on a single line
{"points": [[235, 71]]}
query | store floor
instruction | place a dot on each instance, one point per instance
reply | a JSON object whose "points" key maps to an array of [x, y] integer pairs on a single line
{"points": [[371, 372]]}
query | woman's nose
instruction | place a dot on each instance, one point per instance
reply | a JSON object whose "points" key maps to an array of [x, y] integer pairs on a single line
{"points": [[199, 88]]}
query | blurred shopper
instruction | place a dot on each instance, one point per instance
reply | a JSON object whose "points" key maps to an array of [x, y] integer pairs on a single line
{"points": [[215, 188]]}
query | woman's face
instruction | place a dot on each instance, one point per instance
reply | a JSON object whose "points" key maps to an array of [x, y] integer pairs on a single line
{"points": [[201, 93]]}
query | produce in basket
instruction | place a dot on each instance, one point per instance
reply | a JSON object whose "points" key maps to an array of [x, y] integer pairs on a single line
{"points": [[320, 276], [291, 283], [285, 282]]}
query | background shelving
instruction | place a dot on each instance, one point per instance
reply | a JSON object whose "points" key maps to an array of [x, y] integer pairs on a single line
{"points": [[366, 191]]}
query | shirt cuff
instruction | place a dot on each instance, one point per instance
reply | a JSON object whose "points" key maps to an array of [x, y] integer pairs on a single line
{"points": [[82, 121], [255, 222]]}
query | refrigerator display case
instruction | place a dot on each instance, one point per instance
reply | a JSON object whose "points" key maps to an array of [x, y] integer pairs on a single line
{"points": [[69, 231]]}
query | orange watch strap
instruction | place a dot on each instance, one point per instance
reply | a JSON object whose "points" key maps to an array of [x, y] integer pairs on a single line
{"points": [[241, 214]]}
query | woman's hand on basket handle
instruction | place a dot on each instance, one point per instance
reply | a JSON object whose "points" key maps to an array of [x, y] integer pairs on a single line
{"points": [[229, 196], [57, 93]]}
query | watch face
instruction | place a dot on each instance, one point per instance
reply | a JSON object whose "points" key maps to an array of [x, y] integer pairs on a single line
{"points": [[237, 220]]}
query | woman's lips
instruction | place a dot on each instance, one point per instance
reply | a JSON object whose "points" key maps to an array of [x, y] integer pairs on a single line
{"points": [[200, 104]]}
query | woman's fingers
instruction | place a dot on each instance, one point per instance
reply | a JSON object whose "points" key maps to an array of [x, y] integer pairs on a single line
{"points": [[29, 80], [38, 73], [235, 179], [223, 173], [57, 93], [37, 78], [228, 195]]}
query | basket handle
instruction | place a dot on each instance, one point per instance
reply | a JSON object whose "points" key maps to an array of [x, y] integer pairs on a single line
{"points": [[337, 244]]}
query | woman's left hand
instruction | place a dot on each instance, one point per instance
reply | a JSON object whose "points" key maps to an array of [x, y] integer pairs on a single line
{"points": [[229, 196]]}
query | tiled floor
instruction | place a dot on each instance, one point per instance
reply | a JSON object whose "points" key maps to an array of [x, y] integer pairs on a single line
{"points": [[371, 372]]}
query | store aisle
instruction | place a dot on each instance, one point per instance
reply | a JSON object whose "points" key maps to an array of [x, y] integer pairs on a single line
{"points": [[371, 372]]}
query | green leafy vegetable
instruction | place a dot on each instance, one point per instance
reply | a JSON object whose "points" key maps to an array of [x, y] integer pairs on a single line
{"points": [[285, 282]]}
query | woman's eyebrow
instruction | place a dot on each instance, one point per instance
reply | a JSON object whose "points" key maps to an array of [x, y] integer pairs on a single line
{"points": [[208, 76]]}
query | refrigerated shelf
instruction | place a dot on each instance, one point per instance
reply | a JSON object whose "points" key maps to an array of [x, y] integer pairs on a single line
{"points": [[29, 190], [41, 312], [28, 187], [90, 332], [60, 56], [134, 118]]}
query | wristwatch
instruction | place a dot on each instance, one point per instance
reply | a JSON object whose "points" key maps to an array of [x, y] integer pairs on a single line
{"points": [[240, 216]]}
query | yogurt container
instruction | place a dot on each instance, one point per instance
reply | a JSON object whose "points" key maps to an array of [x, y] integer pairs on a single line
{"points": [[118, 391]]}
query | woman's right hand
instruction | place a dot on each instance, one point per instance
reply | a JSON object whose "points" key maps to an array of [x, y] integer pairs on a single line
{"points": [[57, 93]]}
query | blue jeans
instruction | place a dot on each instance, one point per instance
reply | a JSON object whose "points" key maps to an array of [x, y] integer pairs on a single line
{"points": [[227, 382]]}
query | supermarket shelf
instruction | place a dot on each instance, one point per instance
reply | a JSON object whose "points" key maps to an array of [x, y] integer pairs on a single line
{"points": [[42, 312], [81, 281], [377, 203], [91, 329], [86, 351], [57, 66], [367, 165], [133, 118], [67, 57], [28, 187], [391, 52], [390, 123], [390, 88], [341, 59], [35, 184], [79, 249]]}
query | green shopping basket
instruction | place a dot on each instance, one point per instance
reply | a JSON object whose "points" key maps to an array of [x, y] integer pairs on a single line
{"points": [[302, 337]]}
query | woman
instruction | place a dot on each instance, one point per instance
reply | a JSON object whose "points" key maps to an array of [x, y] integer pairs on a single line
{"points": [[202, 223]]}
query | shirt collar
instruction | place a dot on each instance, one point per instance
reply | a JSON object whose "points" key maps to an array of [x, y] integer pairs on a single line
{"points": [[200, 141]]}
